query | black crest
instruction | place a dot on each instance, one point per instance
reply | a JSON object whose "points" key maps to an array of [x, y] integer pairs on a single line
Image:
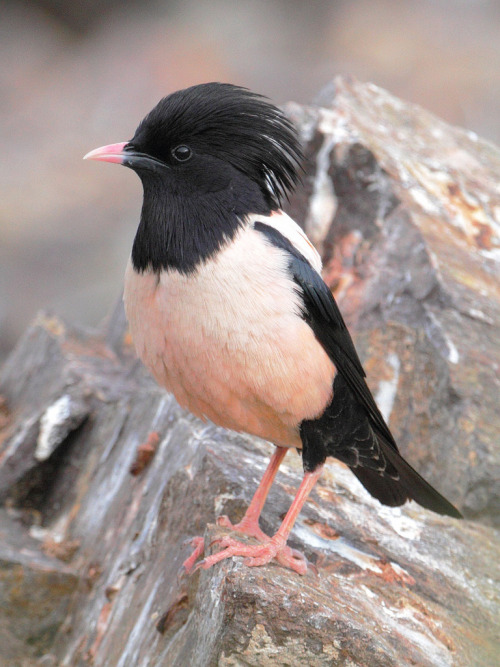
{"points": [[231, 123]]}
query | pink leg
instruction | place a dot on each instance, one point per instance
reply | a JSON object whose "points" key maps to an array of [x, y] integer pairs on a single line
{"points": [[260, 554], [249, 525]]}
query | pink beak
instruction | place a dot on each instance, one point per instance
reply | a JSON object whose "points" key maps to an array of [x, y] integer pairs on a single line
{"points": [[110, 153]]}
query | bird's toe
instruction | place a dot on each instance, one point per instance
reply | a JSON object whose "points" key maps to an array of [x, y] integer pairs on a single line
{"points": [[198, 544]]}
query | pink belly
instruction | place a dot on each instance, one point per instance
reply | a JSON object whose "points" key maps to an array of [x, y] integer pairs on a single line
{"points": [[262, 392], [231, 352]]}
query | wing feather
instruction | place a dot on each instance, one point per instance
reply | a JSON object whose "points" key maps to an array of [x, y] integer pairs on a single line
{"points": [[324, 317]]}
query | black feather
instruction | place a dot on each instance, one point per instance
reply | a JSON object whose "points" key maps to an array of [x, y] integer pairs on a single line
{"points": [[416, 486], [352, 428], [243, 158]]}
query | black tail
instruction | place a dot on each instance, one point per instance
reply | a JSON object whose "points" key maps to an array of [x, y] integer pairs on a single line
{"points": [[358, 435], [409, 485]]}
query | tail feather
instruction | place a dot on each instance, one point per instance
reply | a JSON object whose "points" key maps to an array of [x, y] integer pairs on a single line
{"points": [[409, 486], [361, 439], [417, 488], [385, 489]]}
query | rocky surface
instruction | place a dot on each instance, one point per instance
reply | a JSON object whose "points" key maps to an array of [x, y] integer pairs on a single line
{"points": [[36, 591], [103, 477], [407, 212]]}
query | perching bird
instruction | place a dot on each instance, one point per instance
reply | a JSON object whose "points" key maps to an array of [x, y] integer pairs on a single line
{"points": [[228, 310]]}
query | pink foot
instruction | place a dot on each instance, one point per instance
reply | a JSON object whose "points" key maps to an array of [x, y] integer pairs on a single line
{"points": [[199, 548], [285, 556], [257, 554], [274, 547], [245, 527]]}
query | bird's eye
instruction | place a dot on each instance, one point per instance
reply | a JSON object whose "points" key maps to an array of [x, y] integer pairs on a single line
{"points": [[182, 153]]}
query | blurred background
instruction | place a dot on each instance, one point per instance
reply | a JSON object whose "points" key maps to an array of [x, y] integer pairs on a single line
{"points": [[78, 74]]}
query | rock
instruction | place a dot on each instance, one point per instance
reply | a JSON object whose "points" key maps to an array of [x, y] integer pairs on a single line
{"points": [[35, 594], [129, 477], [412, 248]]}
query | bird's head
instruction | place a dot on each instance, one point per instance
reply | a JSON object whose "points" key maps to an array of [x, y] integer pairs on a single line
{"points": [[196, 138], [212, 148]]}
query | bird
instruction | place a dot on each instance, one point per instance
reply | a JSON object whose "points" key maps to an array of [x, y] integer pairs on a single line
{"points": [[228, 310]]}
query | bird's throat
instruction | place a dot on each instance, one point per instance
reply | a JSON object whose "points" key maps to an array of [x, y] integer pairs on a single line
{"points": [[179, 232]]}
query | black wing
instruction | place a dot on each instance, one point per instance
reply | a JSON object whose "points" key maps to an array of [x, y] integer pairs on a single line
{"points": [[324, 317], [352, 427]]}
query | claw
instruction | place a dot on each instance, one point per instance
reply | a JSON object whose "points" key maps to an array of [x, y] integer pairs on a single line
{"points": [[256, 554], [224, 521], [200, 565], [199, 547], [216, 540]]}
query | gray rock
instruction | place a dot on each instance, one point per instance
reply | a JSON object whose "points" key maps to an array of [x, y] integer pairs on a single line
{"points": [[36, 591]]}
